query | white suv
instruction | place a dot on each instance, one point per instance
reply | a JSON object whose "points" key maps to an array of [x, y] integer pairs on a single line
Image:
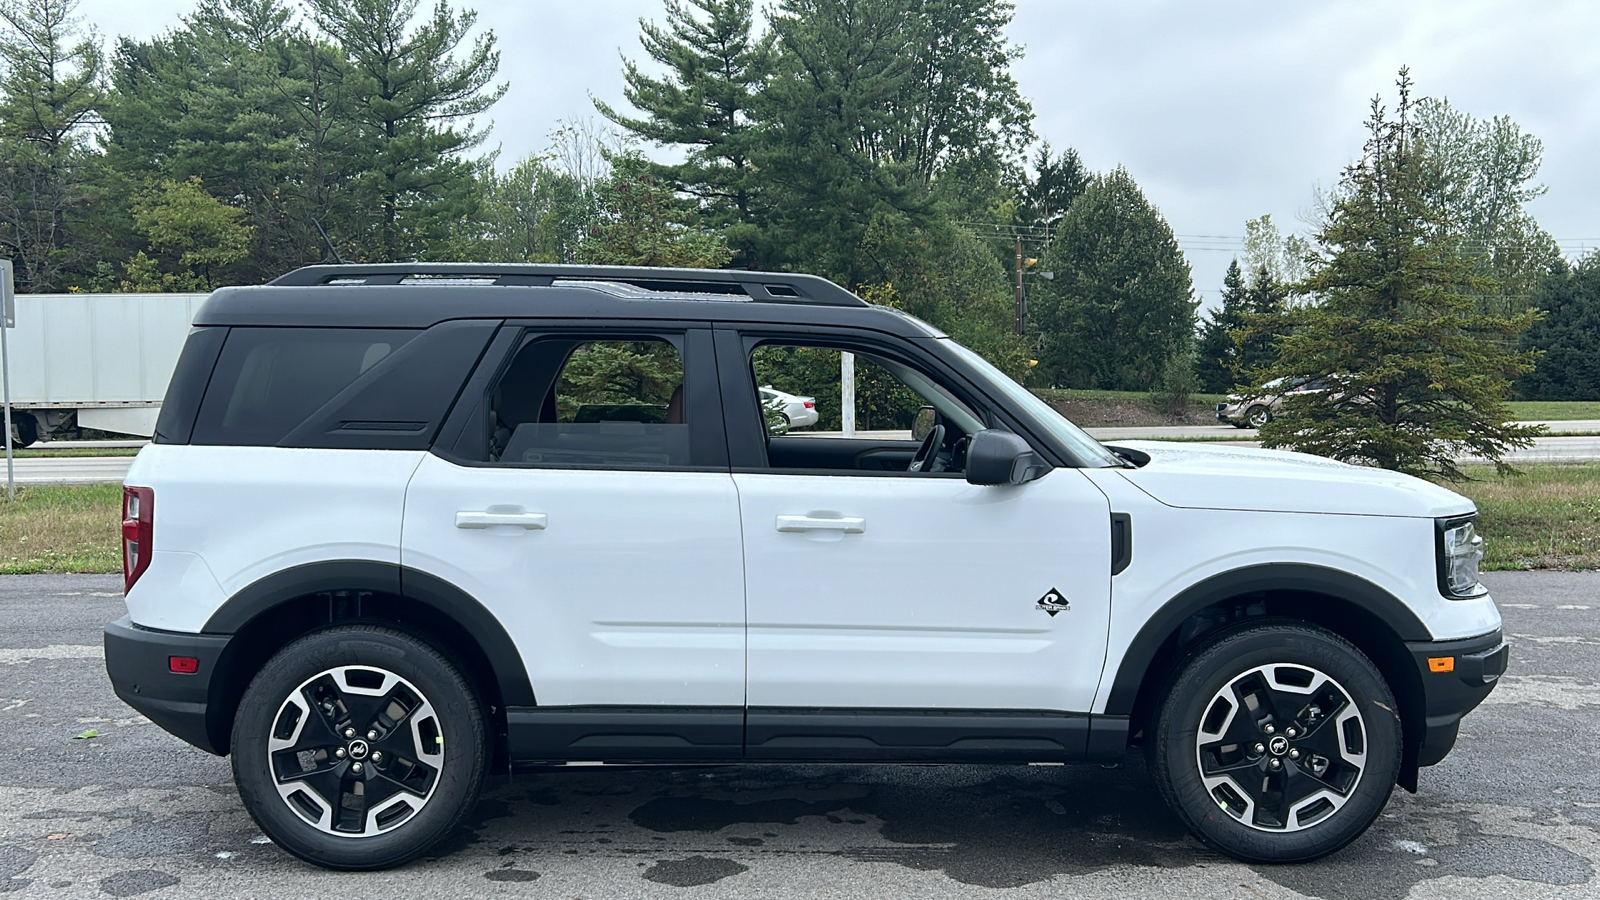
{"points": [[404, 526]]}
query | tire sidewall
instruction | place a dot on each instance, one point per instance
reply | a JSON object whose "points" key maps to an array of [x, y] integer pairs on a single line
{"points": [[1218, 664], [459, 718]]}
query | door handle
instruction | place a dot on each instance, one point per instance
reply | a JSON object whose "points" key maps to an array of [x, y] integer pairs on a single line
{"points": [[488, 519], [846, 524]]}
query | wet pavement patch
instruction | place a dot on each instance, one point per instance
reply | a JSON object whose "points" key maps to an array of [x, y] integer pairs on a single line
{"points": [[136, 881], [14, 861], [693, 872], [703, 814], [155, 838], [1380, 866]]}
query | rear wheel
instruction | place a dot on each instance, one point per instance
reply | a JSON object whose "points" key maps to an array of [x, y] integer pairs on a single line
{"points": [[358, 747], [1277, 743], [24, 430], [1257, 416]]}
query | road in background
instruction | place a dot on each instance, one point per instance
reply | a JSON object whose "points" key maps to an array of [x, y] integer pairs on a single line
{"points": [[94, 469], [1514, 812]]}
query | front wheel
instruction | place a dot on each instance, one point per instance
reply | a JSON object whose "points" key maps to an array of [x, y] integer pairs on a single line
{"points": [[1257, 416], [358, 747], [1277, 743]]}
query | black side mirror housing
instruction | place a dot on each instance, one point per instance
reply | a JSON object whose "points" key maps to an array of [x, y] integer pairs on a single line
{"points": [[1000, 457]]}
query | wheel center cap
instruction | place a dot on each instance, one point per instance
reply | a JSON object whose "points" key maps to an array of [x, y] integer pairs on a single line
{"points": [[1278, 745], [359, 749]]}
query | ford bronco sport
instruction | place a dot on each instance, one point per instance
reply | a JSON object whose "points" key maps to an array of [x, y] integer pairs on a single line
{"points": [[404, 526]]}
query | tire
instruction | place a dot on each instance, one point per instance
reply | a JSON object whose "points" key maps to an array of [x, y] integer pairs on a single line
{"points": [[25, 428], [1288, 785], [1257, 416], [313, 730]]}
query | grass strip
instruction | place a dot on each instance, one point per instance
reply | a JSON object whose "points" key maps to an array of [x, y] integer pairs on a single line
{"points": [[1548, 517], [61, 528]]}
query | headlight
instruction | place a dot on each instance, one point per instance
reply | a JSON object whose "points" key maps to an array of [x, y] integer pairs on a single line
{"points": [[1460, 551]]}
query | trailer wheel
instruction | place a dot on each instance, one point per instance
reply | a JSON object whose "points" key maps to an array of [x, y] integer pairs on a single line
{"points": [[24, 430]]}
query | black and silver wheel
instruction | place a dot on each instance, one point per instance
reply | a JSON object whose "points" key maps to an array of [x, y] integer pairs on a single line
{"points": [[24, 430], [1257, 416], [1277, 743], [358, 747]]}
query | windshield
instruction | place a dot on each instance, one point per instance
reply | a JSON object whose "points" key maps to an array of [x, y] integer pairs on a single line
{"points": [[1088, 449]]}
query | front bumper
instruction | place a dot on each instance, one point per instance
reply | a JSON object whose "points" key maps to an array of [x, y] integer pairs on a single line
{"points": [[1456, 676], [138, 662]]}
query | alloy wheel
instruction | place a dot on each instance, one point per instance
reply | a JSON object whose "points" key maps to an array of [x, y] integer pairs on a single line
{"points": [[1281, 747], [356, 751]]}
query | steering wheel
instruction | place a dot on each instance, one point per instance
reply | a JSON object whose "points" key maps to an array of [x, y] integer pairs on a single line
{"points": [[928, 453]]}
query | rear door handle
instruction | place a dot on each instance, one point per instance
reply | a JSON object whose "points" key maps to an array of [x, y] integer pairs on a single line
{"points": [[488, 519], [846, 524]]}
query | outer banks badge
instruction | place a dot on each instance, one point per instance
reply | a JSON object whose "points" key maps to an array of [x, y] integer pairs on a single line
{"points": [[1053, 602]]}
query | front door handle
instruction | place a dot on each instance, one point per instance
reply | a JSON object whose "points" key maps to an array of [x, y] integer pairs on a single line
{"points": [[846, 524], [491, 518]]}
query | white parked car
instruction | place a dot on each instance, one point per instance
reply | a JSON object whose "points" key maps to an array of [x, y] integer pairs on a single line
{"points": [[401, 526], [794, 412]]}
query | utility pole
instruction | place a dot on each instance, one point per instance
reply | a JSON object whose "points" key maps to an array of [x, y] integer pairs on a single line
{"points": [[1019, 285]]}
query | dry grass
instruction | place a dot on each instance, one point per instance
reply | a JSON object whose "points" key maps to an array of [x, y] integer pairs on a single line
{"points": [[61, 528], [1546, 518]]}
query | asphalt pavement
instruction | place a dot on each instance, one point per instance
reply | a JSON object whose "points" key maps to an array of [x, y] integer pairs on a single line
{"points": [[1514, 812]]}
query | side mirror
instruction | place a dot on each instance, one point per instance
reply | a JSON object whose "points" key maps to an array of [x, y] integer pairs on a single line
{"points": [[922, 425], [1000, 457]]}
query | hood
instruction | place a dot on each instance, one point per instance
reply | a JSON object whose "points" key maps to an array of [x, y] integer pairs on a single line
{"points": [[1202, 476]]}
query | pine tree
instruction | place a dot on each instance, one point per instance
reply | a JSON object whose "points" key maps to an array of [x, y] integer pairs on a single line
{"points": [[1216, 354], [48, 93], [716, 65], [1420, 378], [413, 101], [1121, 303], [1568, 337]]}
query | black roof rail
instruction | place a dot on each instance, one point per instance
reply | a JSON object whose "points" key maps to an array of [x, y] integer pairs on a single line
{"points": [[768, 287]]}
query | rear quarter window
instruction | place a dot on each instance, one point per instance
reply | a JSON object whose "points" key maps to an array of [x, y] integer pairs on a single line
{"points": [[269, 380]]}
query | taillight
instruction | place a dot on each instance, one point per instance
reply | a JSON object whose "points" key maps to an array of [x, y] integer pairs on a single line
{"points": [[138, 524], [811, 404]]}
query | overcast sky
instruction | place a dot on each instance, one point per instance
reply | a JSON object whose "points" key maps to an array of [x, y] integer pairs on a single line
{"points": [[1221, 111]]}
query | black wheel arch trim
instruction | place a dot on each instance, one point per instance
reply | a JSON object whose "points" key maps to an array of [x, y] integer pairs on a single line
{"points": [[333, 576], [1141, 653]]}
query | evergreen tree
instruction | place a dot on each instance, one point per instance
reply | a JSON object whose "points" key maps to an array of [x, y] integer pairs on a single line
{"points": [[406, 87], [716, 65], [871, 101], [243, 97], [1568, 337], [641, 223], [1216, 355], [1121, 303], [1045, 194], [50, 86], [1420, 376]]}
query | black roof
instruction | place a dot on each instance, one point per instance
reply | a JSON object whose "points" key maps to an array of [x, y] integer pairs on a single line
{"points": [[419, 295]]}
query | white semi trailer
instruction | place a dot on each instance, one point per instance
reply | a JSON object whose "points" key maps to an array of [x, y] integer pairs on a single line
{"points": [[99, 361]]}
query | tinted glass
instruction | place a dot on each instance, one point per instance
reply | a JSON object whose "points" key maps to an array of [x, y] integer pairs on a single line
{"points": [[268, 380], [613, 404]]}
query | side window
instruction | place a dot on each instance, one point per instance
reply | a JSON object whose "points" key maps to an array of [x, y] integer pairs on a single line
{"points": [[577, 402], [268, 380], [895, 405]]}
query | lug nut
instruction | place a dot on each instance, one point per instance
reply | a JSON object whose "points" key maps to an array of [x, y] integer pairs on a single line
{"points": [[1290, 731], [339, 753], [356, 767], [349, 732], [1294, 754], [1269, 729], [1274, 763], [1261, 748], [378, 757], [372, 735]]}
